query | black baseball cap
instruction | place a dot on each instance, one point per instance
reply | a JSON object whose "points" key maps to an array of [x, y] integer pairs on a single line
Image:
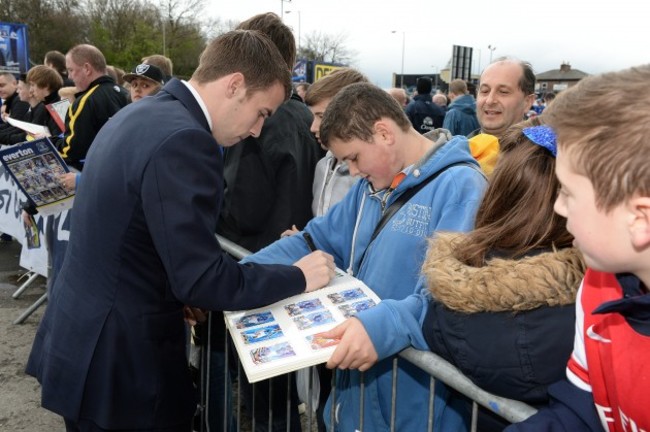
{"points": [[150, 72]]}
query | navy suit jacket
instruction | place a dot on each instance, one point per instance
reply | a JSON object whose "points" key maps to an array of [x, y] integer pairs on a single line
{"points": [[111, 345]]}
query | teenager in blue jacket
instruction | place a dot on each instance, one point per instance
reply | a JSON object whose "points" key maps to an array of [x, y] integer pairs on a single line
{"points": [[366, 127], [497, 302]]}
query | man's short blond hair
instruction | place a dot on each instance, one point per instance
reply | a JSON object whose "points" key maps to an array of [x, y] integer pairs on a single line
{"points": [[458, 87], [603, 122], [90, 54]]}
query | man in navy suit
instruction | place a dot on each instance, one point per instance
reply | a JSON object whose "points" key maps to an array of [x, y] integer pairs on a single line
{"points": [[110, 350]]}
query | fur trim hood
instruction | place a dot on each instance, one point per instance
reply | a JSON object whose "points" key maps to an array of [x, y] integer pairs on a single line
{"points": [[548, 279]]}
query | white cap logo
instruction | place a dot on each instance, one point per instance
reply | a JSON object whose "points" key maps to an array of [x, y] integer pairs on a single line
{"points": [[141, 69]]}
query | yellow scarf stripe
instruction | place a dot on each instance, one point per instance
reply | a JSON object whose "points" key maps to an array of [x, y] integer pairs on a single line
{"points": [[73, 117]]}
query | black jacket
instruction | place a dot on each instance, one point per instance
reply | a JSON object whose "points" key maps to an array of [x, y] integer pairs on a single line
{"points": [[15, 107], [42, 116], [425, 115], [269, 179], [90, 110], [37, 115]]}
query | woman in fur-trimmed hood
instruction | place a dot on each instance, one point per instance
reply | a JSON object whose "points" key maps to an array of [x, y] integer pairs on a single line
{"points": [[507, 325], [504, 294]]}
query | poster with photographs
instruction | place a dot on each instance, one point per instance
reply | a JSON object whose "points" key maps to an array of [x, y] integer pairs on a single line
{"points": [[286, 336], [36, 167]]}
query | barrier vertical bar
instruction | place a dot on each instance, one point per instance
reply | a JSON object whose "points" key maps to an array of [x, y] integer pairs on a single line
{"points": [[271, 404], [239, 399], [432, 384], [310, 397], [474, 417], [393, 396], [362, 390], [333, 398]]}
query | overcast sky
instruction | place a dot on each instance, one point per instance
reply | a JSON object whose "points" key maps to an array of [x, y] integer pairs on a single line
{"points": [[593, 36]]}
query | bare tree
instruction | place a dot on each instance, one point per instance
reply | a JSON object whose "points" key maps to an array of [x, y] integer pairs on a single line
{"points": [[214, 27], [326, 48], [183, 24]]}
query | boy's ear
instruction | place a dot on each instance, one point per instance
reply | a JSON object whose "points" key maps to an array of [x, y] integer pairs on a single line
{"points": [[640, 222], [383, 132]]}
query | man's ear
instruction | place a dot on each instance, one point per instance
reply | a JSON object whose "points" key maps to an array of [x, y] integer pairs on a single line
{"points": [[529, 100], [639, 227], [235, 84]]}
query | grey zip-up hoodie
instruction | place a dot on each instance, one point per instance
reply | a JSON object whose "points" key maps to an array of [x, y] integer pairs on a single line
{"points": [[332, 180]]}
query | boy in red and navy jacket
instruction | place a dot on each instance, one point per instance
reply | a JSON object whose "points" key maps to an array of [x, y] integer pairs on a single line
{"points": [[602, 164]]}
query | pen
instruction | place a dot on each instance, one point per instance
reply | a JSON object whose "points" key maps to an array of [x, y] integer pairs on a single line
{"points": [[310, 241]]}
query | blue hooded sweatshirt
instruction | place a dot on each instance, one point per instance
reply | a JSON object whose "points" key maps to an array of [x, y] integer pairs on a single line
{"points": [[461, 116], [391, 267]]}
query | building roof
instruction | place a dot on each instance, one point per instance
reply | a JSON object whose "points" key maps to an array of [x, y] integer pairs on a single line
{"points": [[565, 73]]}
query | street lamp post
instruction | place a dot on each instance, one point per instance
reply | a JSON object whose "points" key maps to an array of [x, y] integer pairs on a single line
{"points": [[403, 49], [435, 76], [282, 8], [164, 39], [298, 12], [491, 48], [163, 26]]}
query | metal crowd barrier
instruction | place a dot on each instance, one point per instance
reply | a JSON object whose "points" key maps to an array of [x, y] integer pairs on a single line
{"points": [[31, 277], [511, 410]]}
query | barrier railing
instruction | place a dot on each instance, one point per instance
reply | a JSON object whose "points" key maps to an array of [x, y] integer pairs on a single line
{"points": [[510, 410]]}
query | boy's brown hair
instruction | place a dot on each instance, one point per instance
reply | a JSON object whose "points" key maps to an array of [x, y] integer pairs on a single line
{"points": [[248, 52], [272, 26], [354, 111], [604, 121], [45, 77], [328, 86]]}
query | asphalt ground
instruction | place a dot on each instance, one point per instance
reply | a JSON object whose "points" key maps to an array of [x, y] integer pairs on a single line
{"points": [[20, 408]]}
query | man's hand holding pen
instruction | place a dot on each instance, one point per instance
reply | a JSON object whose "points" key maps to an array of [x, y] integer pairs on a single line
{"points": [[318, 267]]}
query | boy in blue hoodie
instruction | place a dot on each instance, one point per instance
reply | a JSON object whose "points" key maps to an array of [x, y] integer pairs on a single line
{"points": [[364, 126]]}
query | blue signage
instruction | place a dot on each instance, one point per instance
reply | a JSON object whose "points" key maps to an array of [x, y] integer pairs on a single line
{"points": [[14, 49]]}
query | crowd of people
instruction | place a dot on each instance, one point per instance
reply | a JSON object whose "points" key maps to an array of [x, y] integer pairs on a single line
{"points": [[516, 246]]}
